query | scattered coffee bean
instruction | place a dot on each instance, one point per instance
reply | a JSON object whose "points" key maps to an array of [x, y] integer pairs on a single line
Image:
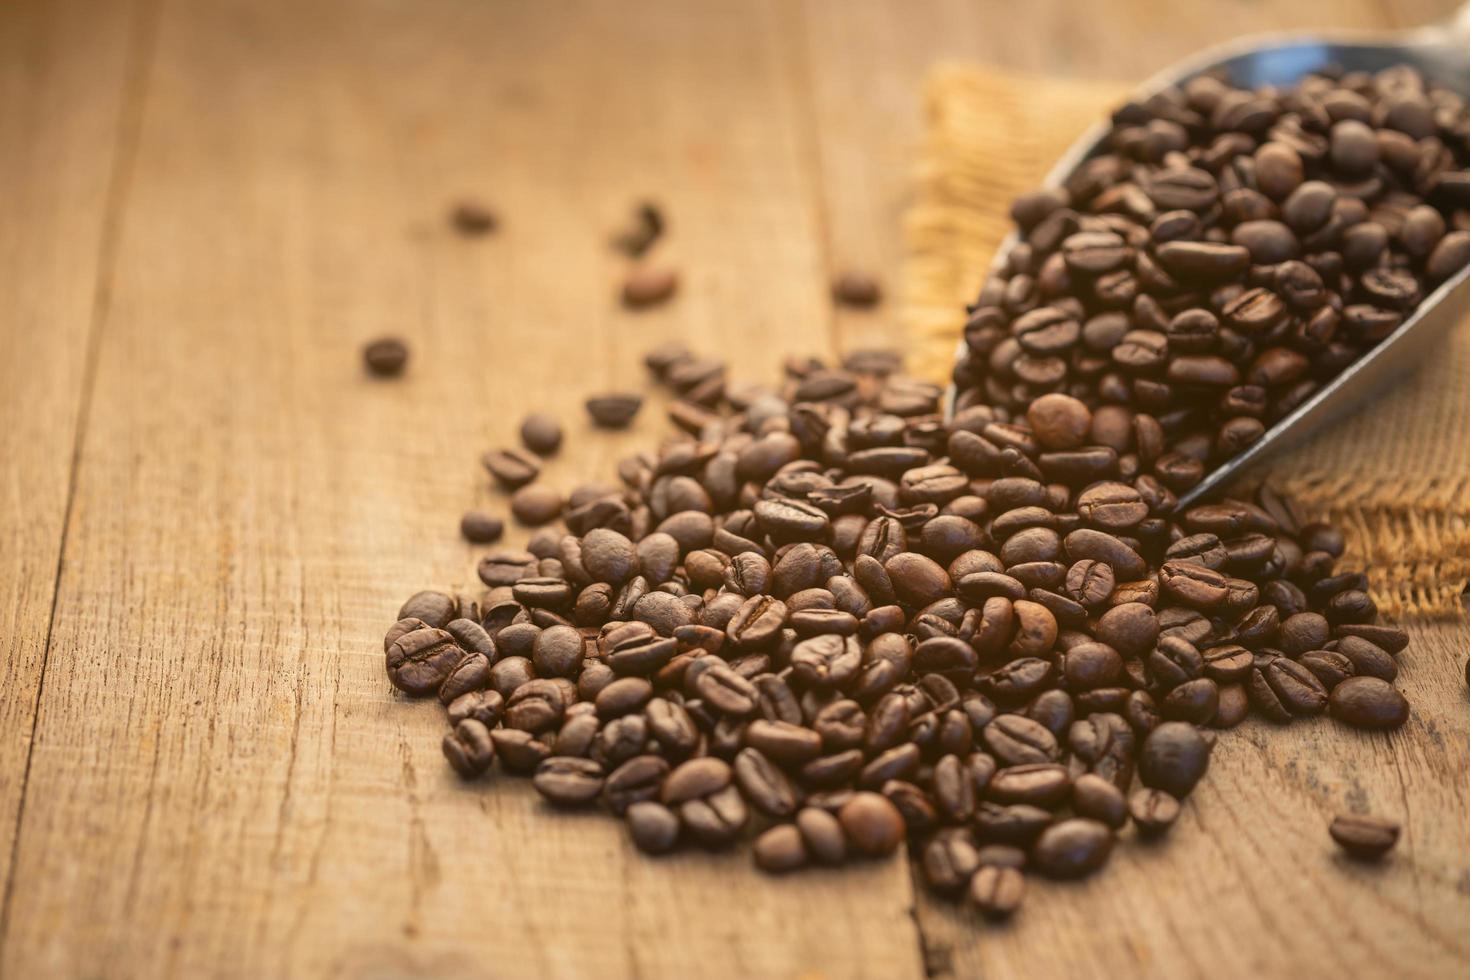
{"points": [[479, 527], [386, 357], [1369, 702], [872, 824], [654, 827], [1072, 848], [511, 468], [614, 411], [1153, 811], [780, 848], [472, 219], [1363, 837], [541, 433], [646, 228], [856, 289], [649, 286], [997, 891], [536, 504]]}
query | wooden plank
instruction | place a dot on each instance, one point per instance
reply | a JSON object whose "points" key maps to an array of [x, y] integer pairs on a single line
{"points": [[222, 781], [63, 84]]}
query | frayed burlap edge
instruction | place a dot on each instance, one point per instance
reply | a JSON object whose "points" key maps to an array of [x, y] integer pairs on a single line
{"points": [[992, 135]]}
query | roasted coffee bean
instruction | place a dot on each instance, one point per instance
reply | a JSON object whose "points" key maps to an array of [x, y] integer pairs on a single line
{"points": [[1017, 740], [780, 849], [568, 781], [856, 289], [511, 468], [997, 891], [614, 410], [541, 433], [472, 219], [519, 751], [1173, 757], [1098, 799], [1153, 811], [653, 826], [823, 835], [385, 357], [1364, 837], [469, 748], [766, 787], [1072, 848], [479, 527], [716, 820], [1035, 784], [949, 860], [1369, 702], [420, 660], [872, 825], [639, 778], [649, 285]]}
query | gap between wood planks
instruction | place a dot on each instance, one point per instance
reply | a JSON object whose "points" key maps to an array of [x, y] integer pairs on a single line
{"points": [[143, 33]]}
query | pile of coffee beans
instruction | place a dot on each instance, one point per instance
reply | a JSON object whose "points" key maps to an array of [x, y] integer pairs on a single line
{"points": [[824, 617], [1230, 252]]}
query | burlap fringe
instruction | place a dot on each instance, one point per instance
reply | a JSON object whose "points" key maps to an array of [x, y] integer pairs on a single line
{"points": [[991, 136]]}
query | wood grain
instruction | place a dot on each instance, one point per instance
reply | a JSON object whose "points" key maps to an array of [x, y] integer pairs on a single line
{"points": [[64, 81], [221, 782]]}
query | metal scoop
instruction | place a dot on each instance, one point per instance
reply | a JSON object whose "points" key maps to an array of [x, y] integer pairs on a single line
{"points": [[1442, 55]]}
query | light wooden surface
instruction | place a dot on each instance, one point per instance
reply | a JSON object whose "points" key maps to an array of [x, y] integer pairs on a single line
{"points": [[209, 515]]}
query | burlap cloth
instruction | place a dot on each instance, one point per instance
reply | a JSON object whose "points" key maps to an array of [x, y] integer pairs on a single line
{"points": [[1397, 478]]}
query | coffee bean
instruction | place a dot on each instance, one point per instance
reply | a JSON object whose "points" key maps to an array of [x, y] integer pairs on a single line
{"points": [[1098, 799], [1364, 837], [536, 504], [649, 285], [1072, 848], [636, 780], [541, 433], [1017, 740], [479, 527], [1173, 758], [856, 289], [1369, 702], [568, 781], [386, 357], [764, 784], [519, 751], [1153, 811], [871, 823], [780, 849], [949, 860], [716, 820], [614, 411], [511, 467], [469, 748], [421, 660], [654, 827], [472, 219], [997, 891], [822, 834]]}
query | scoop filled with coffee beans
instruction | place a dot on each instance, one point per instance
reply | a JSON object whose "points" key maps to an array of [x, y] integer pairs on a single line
{"points": [[1238, 265], [827, 618]]}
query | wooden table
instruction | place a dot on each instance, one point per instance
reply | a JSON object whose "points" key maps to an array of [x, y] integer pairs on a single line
{"points": [[209, 514]]}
